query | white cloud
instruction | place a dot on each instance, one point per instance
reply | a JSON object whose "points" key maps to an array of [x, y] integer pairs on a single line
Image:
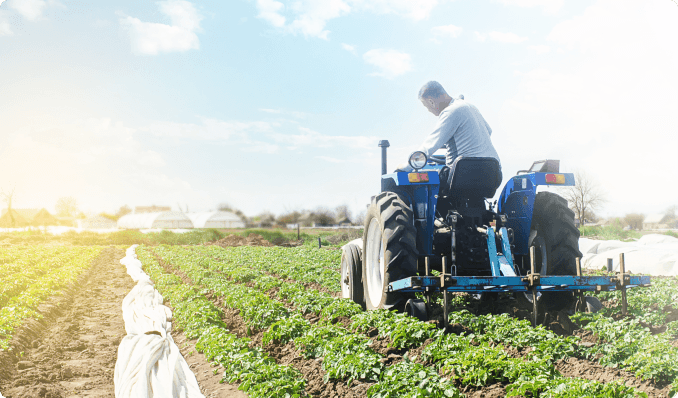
{"points": [[277, 111], [609, 105], [308, 137], [349, 48], [391, 63], [296, 114], [413, 9], [151, 38], [331, 159], [5, 28], [447, 31], [540, 48], [502, 37], [549, 6], [268, 11], [29, 9], [310, 17]]}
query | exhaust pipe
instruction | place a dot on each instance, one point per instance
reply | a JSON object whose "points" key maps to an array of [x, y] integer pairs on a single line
{"points": [[383, 144]]}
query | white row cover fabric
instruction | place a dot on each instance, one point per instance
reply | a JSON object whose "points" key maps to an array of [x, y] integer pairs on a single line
{"points": [[652, 254], [216, 219], [149, 363], [164, 220]]}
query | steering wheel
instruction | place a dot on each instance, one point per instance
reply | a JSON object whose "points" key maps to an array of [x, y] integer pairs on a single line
{"points": [[439, 159]]}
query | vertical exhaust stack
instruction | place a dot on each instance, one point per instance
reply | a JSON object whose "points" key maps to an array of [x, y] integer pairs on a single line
{"points": [[383, 144]]}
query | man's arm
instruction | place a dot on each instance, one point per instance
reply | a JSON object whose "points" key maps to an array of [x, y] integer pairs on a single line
{"points": [[447, 125], [443, 132]]}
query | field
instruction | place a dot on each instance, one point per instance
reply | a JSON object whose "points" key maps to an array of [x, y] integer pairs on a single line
{"points": [[267, 320]]}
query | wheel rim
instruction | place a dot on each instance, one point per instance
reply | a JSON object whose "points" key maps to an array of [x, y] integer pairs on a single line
{"points": [[540, 255], [374, 263], [345, 277]]}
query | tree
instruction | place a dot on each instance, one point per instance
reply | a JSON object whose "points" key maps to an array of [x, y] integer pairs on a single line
{"points": [[7, 197], [585, 197], [288, 218], [66, 207], [342, 212], [323, 216], [360, 218], [635, 220]]}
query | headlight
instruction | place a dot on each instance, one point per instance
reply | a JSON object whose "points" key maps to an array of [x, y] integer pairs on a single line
{"points": [[418, 160]]}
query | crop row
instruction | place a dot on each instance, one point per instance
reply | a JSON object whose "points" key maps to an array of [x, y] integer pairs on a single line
{"points": [[48, 270], [466, 360], [345, 355], [304, 264], [257, 373], [650, 305]]}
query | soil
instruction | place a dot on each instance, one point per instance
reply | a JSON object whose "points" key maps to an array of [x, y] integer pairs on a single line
{"points": [[72, 350], [575, 367], [237, 240]]}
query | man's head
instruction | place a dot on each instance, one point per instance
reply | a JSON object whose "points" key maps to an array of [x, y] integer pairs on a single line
{"points": [[434, 97]]}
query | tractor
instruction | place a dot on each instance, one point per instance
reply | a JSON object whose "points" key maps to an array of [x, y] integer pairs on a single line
{"points": [[436, 230]]}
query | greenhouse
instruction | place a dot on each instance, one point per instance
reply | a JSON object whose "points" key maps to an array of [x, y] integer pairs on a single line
{"points": [[216, 219], [158, 220]]}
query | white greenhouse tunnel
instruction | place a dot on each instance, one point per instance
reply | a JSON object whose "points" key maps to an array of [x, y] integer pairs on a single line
{"points": [[215, 219], [165, 220], [180, 220], [652, 254]]}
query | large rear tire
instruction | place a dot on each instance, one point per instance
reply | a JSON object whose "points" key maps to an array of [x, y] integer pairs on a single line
{"points": [[556, 242], [389, 250]]}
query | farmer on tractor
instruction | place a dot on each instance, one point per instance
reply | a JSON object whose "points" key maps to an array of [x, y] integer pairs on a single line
{"points": [[461, 129]]}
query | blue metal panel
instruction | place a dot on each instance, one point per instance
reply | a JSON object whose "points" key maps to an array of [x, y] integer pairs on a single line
{"points": [[506, 246], [400, 178], [492, 251]]}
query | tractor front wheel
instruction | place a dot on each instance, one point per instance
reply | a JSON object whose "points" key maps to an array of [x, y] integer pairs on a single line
{"points": [[389, 250], [351, 274]]}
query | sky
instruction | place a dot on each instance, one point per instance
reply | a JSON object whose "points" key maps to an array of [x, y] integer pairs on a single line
{"points": [[278, 106]]}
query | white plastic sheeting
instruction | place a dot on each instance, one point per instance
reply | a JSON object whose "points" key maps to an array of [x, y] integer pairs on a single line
{"points": [[149, 363], [216, 219], [651, 254], [163, 220]]}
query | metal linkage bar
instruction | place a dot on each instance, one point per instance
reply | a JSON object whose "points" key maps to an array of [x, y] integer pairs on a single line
{"points": [[533, 280], [551, 283]]}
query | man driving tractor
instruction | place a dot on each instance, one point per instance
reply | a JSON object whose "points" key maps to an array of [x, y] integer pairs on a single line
{"points": [[461, 129]]}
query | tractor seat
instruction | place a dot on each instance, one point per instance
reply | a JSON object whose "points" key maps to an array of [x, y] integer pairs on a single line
{"points": [[471, 179]]}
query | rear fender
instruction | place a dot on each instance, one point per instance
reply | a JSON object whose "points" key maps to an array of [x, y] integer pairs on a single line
{"points": [[517, 202], [423, 197]]}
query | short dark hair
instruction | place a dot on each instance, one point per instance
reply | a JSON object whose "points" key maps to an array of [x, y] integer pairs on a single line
{"points": [[432, 89]]}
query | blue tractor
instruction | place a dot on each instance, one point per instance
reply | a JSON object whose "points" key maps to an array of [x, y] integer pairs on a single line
{"points": [[436, 230]]}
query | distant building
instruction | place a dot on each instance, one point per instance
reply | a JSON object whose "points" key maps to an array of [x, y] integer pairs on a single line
{"points": [[656, 221], [151, 209], [12, 219], [97, 222], [43, 218], [27, 217]]}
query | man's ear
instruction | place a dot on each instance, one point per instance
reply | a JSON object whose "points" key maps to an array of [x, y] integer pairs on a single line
{"points": [[431, 102]]}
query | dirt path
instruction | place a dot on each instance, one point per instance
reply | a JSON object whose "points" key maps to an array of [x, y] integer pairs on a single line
{"points": [[72, 351]]}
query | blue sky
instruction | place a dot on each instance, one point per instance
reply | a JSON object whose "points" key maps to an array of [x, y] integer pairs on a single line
{"points": [[278, 105]]}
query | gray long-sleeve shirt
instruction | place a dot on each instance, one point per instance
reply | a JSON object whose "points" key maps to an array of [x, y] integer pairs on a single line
{"points": [[463, 131]]}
